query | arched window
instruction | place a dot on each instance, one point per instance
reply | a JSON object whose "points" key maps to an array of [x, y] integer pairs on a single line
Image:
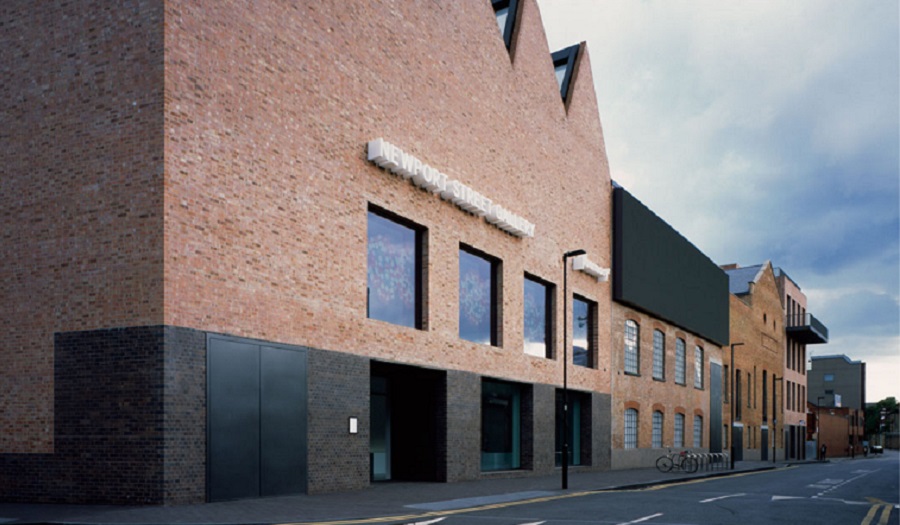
{"points": [[632, 345], [679, 430], [698, 367], [659, 355], [657, 429], [631, 428], [698, 431]]}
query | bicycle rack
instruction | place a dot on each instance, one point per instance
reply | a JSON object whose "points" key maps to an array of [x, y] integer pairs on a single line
{"points": [[711, 461]]}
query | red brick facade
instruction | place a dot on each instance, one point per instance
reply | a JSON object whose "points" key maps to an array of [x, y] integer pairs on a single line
{"points": [[756, 321], [648, 394], [81, 189], [267, 184], [202, 165]]}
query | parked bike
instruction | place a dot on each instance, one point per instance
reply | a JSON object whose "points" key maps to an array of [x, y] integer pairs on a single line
{"points": [[679, 461]]}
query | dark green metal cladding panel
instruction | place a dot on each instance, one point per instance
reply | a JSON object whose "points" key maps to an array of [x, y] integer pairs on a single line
{"points": [[257, 417], [715, 407], [658, 271], [282, 421], [233, 401]]}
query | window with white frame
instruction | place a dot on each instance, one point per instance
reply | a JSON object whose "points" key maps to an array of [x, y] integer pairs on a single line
{"points": [[632, 344], [698, 431], [659, 355], [698, 367], [631, 428], [657, 429], [679, 430], [680, 376]]}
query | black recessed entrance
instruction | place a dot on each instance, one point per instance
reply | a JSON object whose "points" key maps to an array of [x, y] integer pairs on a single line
{"points": [[256, 411], [408, 418]]}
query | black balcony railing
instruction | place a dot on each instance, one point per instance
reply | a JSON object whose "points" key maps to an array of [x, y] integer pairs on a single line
{"points": [[806, 329]]}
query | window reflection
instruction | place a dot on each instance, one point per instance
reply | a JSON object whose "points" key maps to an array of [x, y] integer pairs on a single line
{"points": [[537, 318], [582, 333], [393, 286], [500, 426], [477, 298]]}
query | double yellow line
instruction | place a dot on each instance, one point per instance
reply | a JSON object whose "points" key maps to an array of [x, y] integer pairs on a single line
{"points": [[505, 504], [873, 510]]}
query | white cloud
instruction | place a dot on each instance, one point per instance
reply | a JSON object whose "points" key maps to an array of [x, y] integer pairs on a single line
{"points": [[761, 130]]}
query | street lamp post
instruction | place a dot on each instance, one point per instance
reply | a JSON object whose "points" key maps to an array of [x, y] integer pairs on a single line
{"points": [[775, 380], [565, 421], [733, 403], [819, 427]]}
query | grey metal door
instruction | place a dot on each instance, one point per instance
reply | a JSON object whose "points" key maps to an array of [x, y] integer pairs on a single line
{"points": [[256, 412]]}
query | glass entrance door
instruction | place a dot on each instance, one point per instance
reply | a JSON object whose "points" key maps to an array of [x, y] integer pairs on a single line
{"points": [[380, 441]]}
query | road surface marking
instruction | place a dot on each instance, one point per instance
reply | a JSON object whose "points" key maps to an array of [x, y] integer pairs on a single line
{"points": [[535, 523], [723, 497], [779, 498], [873, 511], [429, 522], [645, 518]]}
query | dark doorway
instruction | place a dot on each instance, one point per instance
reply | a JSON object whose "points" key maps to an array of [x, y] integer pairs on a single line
{"points": [[764, 452], [738, 433], [408, 418]]}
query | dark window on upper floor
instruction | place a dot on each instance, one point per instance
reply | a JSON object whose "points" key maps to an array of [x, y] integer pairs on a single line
{"points": [[478, 297], [632, 347], [537, 317], [395, 269], [584, 332], [506, 12], [659, 355], [563, 65], [680, 362]]}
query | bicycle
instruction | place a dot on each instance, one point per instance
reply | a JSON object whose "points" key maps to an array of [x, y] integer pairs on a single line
{"points": [[680, 461]]}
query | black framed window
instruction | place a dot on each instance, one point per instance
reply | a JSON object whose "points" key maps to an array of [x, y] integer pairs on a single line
{"points": [[538, 318], [563, 65], [632, 347], [501, 425], [506, 11], [478, 297], [584, 330], [395, 269]]}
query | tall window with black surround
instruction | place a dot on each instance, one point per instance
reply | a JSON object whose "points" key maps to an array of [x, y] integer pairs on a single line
{"points": [[479, 304], [396, 273], [538, 317]]}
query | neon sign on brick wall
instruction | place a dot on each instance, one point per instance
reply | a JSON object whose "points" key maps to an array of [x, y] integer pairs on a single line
{"points": [[397, 161]]}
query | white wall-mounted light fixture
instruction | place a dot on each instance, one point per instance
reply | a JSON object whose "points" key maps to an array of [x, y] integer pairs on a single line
{"points": [[583, 264], [354, 425]]}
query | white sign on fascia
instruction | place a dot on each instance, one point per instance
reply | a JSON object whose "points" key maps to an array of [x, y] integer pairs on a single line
{"points": [[397, 161], [582, 263]]}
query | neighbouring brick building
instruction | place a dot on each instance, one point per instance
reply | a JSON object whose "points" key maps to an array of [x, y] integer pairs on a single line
{"points": [[840, 429], [264, 248], [757, 341], [801, 329], [669, 322]]}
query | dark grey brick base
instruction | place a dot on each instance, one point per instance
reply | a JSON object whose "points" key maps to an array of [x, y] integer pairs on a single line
{"points": [[129, 421], [130, 428]]}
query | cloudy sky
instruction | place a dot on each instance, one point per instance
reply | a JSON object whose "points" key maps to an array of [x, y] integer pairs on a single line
{"points": [[764, 131]]}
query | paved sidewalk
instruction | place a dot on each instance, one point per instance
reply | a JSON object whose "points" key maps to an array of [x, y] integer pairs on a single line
{"points": [[381, 500]]}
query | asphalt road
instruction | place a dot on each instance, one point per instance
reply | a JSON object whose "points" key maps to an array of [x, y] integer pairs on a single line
{"points": [[864, 492]]}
